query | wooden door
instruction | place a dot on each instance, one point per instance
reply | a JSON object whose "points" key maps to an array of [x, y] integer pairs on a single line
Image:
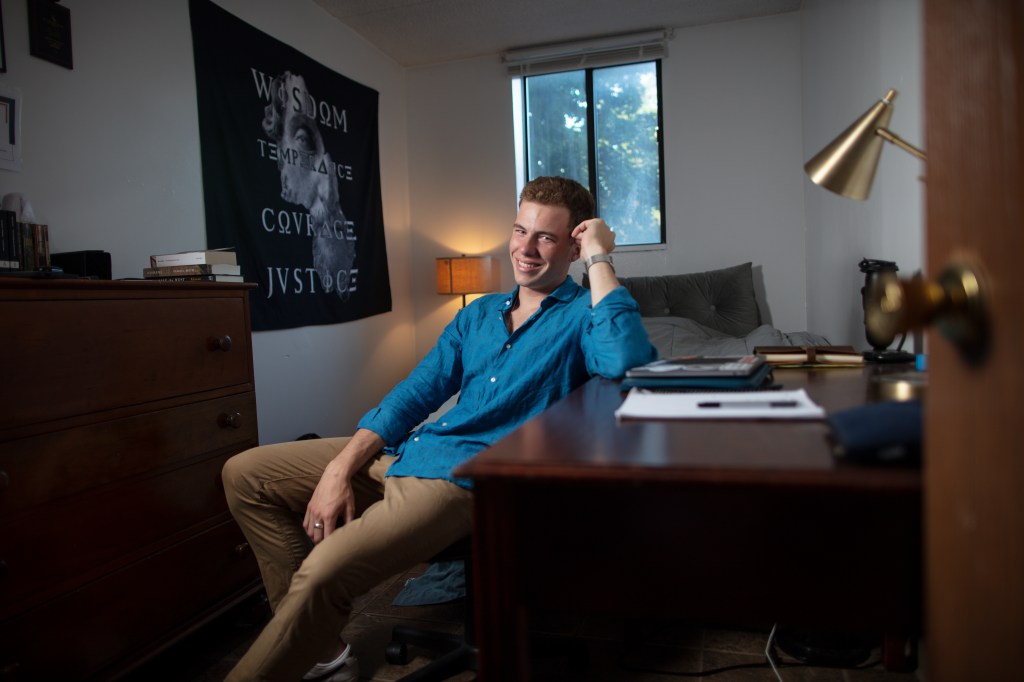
{"points": [[974, 424]]}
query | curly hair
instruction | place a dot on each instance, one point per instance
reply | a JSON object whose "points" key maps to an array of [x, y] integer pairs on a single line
{"points": [[553, 190]]}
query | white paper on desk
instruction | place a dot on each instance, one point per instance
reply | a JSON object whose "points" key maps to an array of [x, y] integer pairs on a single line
{"points": [[646, 404]]}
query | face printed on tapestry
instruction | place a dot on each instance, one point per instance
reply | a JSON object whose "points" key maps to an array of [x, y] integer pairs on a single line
{"points": [[308, 178]]}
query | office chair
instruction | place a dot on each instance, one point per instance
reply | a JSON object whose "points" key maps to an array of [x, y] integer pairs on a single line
{"points": [[459, 651]]}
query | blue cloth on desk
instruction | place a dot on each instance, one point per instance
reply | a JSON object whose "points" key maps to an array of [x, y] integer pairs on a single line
{"points": [[442, 582], [886, 432]]}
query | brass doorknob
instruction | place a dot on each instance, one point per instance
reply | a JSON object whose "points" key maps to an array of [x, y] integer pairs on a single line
{"points": [[954, 303]]}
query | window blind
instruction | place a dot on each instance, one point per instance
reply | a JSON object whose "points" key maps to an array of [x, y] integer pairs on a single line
{"points": [[607, 51]]}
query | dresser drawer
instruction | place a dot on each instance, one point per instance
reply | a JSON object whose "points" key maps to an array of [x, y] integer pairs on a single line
{"points": [[117, 618], [50, 549], [63, 463], [73, 357]]}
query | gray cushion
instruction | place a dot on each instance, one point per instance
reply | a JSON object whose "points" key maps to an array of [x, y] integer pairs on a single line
{"points": [[721, 299]]}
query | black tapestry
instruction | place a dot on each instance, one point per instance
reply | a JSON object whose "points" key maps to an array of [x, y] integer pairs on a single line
{"points": [[291, 175]]}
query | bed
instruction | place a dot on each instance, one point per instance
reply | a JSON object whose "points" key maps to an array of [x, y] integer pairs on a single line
{"points": [[707, 313]]}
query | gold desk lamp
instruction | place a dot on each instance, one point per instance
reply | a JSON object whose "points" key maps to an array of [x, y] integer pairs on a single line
{"points": [[847, 165]]}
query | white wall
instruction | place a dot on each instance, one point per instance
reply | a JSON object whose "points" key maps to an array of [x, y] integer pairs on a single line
{"points": [[111, 161], [733, 174], [853, 52], [462, 177]]}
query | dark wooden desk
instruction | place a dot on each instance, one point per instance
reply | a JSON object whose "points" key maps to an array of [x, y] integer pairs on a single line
{"points": [[738, 524]]}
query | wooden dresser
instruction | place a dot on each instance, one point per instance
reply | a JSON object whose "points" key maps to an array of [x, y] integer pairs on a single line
{"points": [[119, 403]]}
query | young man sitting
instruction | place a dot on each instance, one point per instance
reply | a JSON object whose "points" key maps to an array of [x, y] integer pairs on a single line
{"points": [[329, 519]]}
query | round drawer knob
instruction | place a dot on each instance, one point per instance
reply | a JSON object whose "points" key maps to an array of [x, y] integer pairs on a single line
{"points": [[241, 549], [231, 419], [221, 343]]}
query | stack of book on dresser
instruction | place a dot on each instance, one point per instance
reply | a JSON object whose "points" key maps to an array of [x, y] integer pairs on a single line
{"points": [[697, 373], [23, 246], [210, 265]]}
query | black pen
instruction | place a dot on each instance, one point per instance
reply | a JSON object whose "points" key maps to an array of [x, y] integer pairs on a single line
{"points": [[751, 403]]}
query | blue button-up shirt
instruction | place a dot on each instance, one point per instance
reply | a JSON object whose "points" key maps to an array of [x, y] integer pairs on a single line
{"points": [[504, 378]]}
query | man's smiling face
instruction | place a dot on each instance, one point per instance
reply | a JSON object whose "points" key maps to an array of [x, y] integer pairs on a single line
{"points": [[542, 247]]}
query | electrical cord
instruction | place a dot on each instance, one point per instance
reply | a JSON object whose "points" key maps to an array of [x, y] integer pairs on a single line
{"points": [[769, 652], [771, 662], [765, 665], [702, 673]]}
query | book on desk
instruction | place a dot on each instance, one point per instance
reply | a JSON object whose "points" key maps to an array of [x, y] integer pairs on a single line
{"points": [[681, 373], [810, 356]]}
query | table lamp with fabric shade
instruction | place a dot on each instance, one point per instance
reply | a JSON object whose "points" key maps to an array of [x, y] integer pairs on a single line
{"points": [[466, 275]]}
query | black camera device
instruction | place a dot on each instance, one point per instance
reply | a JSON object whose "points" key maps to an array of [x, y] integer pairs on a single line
{"points": [[872, 269]]}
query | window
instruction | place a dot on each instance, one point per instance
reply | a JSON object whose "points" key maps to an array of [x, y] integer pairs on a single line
{"points": [[601, 127]]}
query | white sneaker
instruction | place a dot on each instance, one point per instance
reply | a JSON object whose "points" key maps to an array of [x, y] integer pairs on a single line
{"points": [[348, 671], [341, 669]]}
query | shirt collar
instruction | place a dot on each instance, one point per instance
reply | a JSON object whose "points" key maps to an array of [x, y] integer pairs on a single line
{"points": [[565, 292]]}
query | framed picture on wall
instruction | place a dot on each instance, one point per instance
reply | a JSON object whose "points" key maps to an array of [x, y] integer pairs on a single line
{"points": [[10, 128], [3, 48], [49, 32]]}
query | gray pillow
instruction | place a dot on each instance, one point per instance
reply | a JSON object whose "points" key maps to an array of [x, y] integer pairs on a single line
{"points": [[721, 299]]}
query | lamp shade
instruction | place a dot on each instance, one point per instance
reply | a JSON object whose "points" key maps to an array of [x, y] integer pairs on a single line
{"points": [[847, 165], [465, 275]]}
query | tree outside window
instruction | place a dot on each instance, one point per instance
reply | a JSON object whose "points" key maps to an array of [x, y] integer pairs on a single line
{"points": [[601, 127]]}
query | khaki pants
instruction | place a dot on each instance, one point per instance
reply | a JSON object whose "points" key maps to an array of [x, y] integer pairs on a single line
{"points": [[400, 522]]}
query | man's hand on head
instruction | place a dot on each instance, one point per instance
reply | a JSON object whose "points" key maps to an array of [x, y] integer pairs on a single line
{"points": [[594, 237]]}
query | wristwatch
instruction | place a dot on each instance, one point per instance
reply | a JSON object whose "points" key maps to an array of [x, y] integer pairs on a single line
{"points": [[599, 258]]}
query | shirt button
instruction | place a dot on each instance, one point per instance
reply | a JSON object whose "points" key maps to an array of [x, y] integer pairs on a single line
{"points": [[416, 439], [507, 346], [493, 379], [444, 423]]}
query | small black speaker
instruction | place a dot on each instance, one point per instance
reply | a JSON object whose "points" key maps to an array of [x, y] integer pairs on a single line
{"points": [[95, 264]]}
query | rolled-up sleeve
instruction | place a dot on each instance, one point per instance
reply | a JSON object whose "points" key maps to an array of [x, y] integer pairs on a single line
{"points": [[616, 340]]}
